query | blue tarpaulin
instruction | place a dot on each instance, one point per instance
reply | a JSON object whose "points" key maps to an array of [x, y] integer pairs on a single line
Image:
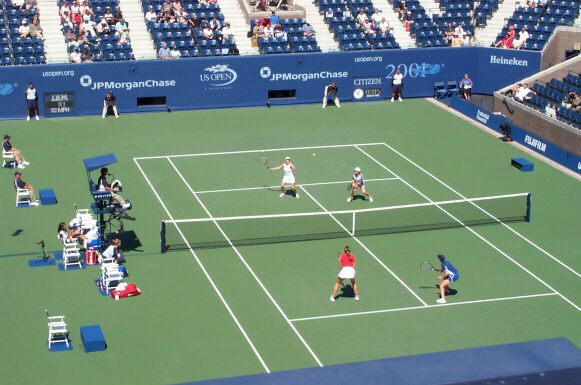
{"points": [[97, 162]]}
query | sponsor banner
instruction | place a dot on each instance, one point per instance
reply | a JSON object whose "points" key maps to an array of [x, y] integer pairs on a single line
{"points": [[246, 80], [519, 135]]}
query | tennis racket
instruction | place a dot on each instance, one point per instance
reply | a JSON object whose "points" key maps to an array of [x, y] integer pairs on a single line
{"points": [[427, 266], [350, 186], [262, 160]]}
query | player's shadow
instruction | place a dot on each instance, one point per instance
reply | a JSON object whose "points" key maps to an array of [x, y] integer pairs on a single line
{"points": [[347, 291], [291, 193], [359, 196], [449, 291]]}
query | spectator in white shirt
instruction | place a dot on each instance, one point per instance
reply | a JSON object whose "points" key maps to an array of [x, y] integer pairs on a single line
{"points": [[75, 56], [308, 30], [89, 28], [269, 30], [24, 29], [376, 18], [384, 26], [175, 54], [227, 32], [207, 33], [361, 17], [523, 93], [103, 28]]}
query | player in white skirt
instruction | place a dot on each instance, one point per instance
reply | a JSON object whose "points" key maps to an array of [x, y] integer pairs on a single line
{"points": [[357, 182], [347, 265], [289, 176]]}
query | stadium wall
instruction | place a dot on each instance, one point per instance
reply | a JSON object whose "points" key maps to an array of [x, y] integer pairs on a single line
{"points": [[238, 81]]}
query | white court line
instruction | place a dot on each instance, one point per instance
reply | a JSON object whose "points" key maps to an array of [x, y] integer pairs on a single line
{"points": [[419, 307], [278, 186], [207, 274], [247, 266], [476, 234], [254, 151], [365, 247], [504, 224]]}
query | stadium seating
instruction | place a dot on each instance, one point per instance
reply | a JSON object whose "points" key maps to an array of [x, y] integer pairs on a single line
{"points": [[13, 48], [295, 41], [191, 43]]}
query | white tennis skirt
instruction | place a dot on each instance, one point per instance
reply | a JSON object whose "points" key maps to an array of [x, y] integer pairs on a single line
{"points": [[347, 273], [290, 179]]}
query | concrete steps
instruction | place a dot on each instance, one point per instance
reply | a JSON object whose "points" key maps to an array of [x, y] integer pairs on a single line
{"points": [[141, 41], [55, 47], [397, 28], [234, 15], [487, 35], [325, 38]]}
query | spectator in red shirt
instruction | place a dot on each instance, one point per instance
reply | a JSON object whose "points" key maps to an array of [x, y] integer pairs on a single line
{"points": [[511, 32], [505, 43], [347, 265]]}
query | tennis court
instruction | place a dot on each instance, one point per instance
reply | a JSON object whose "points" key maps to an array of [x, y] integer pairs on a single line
{"points": [[264, 307]]}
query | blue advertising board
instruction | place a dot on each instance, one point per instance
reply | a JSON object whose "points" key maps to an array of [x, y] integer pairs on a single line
{"points": [[519, 135], [239, 81]]}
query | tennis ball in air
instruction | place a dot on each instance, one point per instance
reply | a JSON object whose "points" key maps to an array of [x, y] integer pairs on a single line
{"points": [[314, 154]]}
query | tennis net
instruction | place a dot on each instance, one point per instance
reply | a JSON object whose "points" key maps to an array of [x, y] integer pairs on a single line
{"points": [[261, 229]]}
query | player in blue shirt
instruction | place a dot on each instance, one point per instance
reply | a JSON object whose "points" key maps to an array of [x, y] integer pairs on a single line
{"points": [[450, 274], [357, 182]]}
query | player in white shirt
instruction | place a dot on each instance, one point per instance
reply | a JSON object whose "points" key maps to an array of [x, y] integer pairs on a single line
{"points": [[397, 85], [289, 176], [357, 182], [31, 102]]}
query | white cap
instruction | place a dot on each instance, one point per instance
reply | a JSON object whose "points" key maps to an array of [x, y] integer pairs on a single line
{"points": [[357, 169], [287, 158]]}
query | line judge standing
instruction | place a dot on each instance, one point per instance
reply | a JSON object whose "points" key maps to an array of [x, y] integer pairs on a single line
{"points": [[31, 101], [396, 85]]}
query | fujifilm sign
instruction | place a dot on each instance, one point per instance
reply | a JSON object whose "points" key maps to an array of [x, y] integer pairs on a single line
{"points": [[508, 61]]}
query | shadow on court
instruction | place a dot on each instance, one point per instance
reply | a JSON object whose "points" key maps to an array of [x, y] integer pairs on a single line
{"points": [[359, 196], [129, 241], [347, 292], [449, 290]]}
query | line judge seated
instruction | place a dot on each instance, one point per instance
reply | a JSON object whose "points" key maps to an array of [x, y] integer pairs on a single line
{"points": [[103, 185]]}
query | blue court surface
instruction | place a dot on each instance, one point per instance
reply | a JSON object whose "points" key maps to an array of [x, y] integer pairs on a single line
{"points": [[453, 367]]}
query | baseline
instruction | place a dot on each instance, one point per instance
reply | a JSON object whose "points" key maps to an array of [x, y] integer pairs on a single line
{"points": [[240, 327]]}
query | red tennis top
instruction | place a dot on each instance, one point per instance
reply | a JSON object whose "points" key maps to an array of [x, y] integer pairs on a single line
{"points": [[347, 260]]}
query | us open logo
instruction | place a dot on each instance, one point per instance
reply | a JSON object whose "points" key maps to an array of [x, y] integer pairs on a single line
{"points": [[86, 80], [219, 75]]}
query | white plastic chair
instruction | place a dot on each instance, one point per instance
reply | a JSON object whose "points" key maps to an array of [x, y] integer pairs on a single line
{"points": [[57, 330], [23, 196], [71, 252], [111, 277], [7, 156]]}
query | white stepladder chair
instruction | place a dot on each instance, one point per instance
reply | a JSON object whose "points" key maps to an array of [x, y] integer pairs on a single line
{"points": [[23, 196], [7, 156], [57, 329], [71, 252]]}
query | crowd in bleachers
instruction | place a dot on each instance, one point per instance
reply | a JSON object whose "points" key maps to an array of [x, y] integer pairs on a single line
{"points": [[275, 35], [532, 23], [95, 32], [189, 28], [561, 95], [369, 29], [21, 38]]}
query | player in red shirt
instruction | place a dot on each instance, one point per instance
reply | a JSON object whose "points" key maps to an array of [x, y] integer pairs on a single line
{"points": [[347, 265]]}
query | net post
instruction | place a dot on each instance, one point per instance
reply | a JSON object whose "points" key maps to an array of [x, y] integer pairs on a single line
{"points": [[528, 214], [162, 236], [353, 225]]}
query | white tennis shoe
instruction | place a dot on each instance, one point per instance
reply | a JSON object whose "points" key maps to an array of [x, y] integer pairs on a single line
{"points": [[296, 195], [26, 163], [441, 300], [281, 195], [332, 299], [356, 298], [370, 199], [348, 199]]}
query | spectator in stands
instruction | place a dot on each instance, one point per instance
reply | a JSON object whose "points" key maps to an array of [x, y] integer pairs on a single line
{"points": [[24, 29], [511, 33], [466, 87], [75, 7], [449, 32], [108, 16], [460, 31], [215, 24], [211, 1], [67, 22], [110, 101], [408, 20], [227, 32], [383, 26], [195, 22], [274, 18], [89, 28], [18, 5], [574, 101], [166, 7], [456, 40], [150, 17], [103, 28], [522, 38], [261, 5], [19, 183], [308, 30], [87, 56], [85, 6], [164, 52], [361, 17], [31, 5], [18, 157], [88, 15], [376, 18], [403, 9], [265, 20], [397, 85], [31, 101], [75, 56], [175, 54], [258, 30], [177, 6], [71, 38], [82, 36], [180, 16], [523, 93], [122, 30], [504, 43], [268, 30], [65, 11], [207, 33], [118, 16], [76, 17], [531, 3], [35, 30], [367, 28], [280, 32], [333, 91]]}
